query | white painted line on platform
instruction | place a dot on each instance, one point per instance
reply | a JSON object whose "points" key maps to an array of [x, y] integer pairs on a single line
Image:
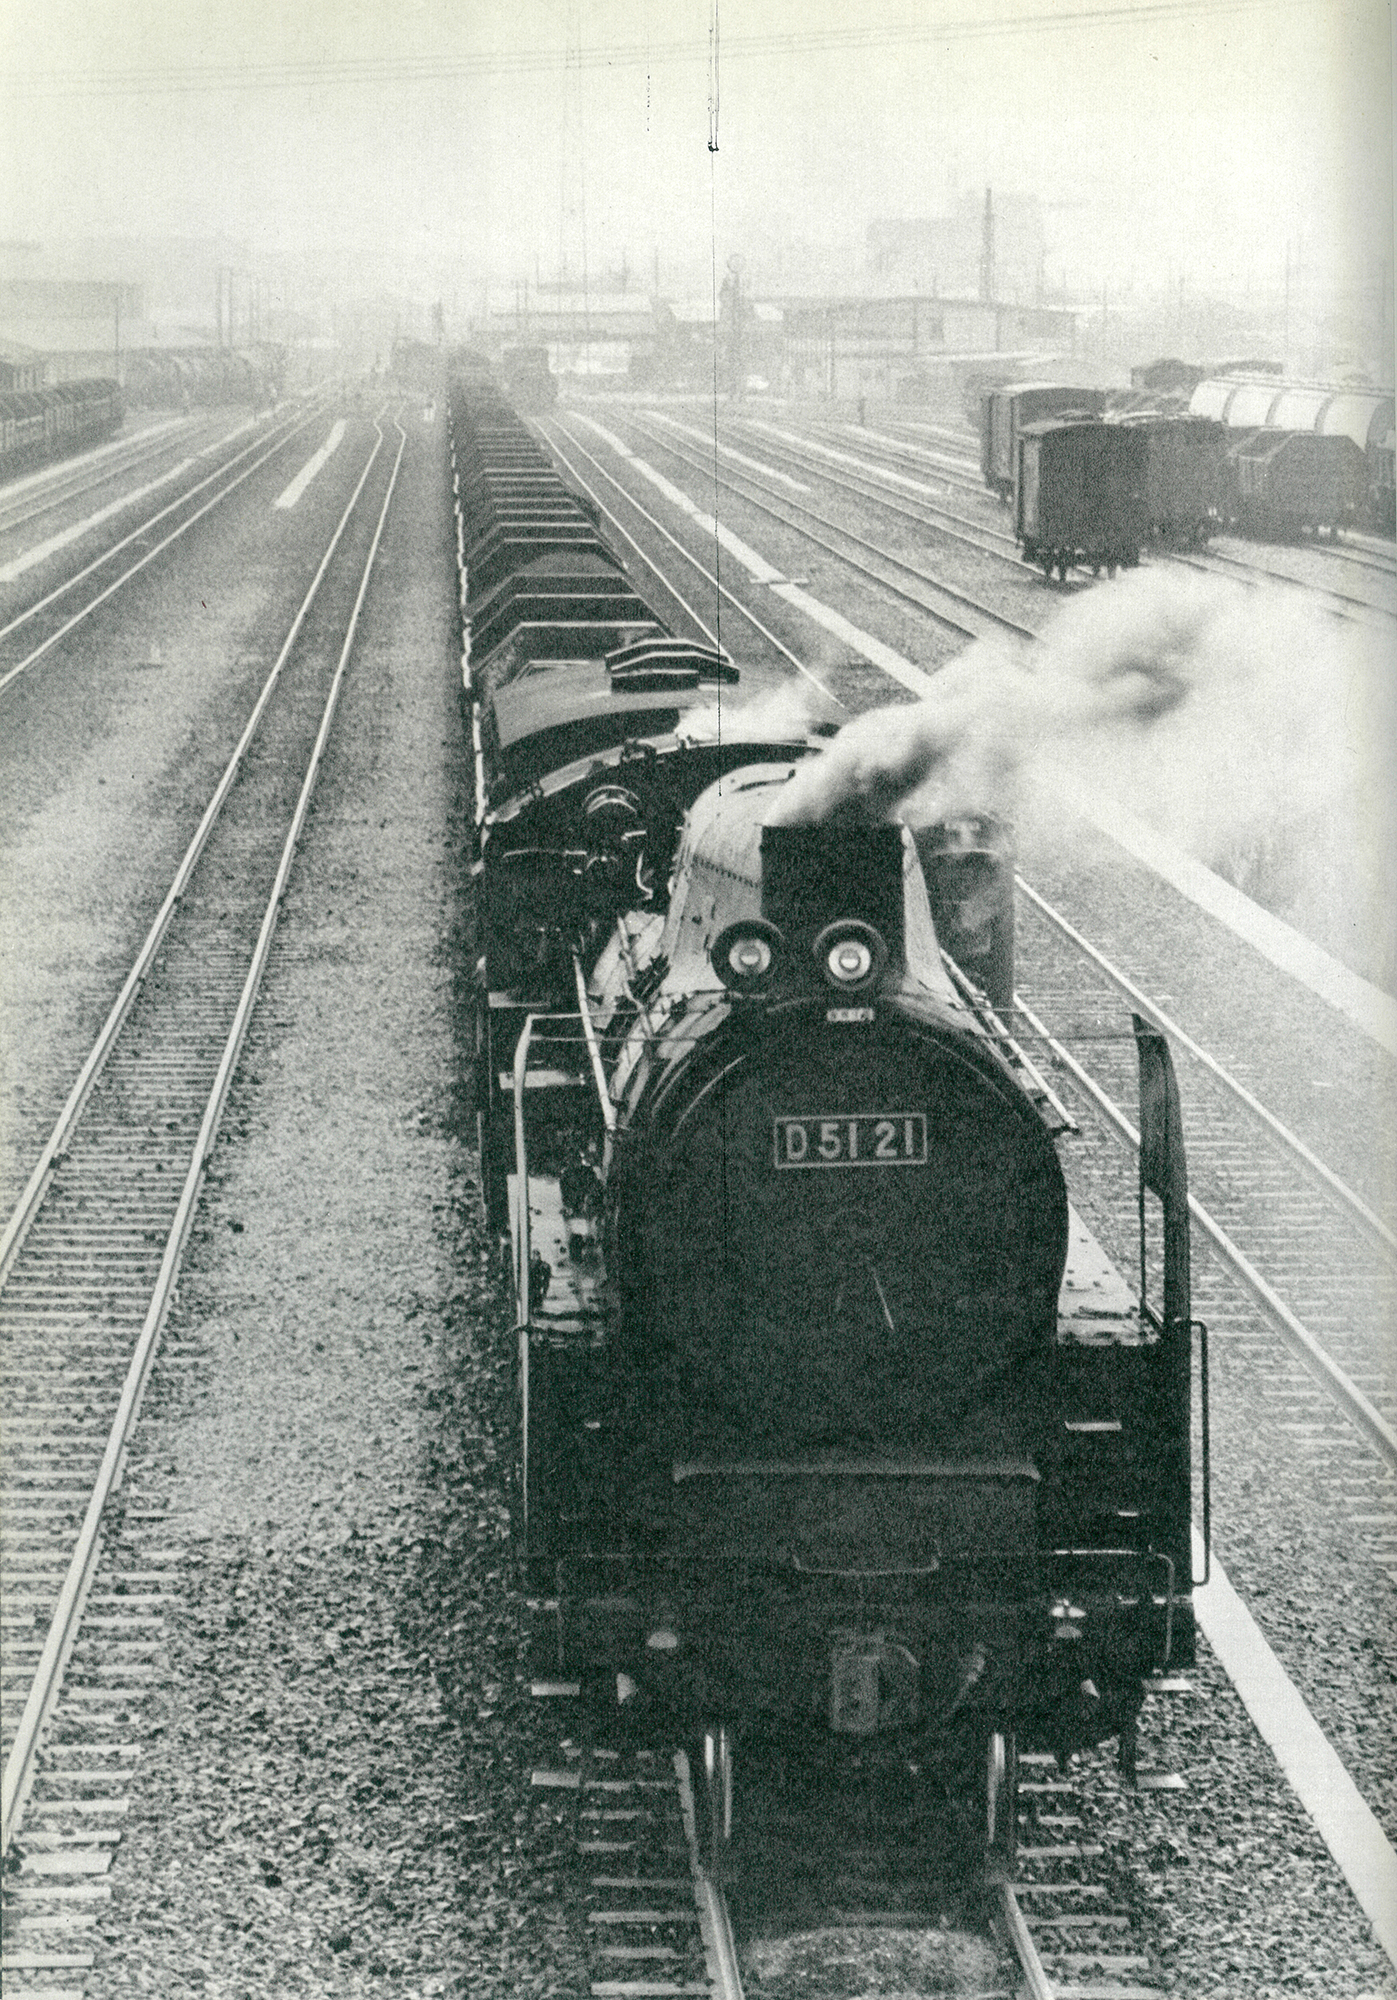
{"points": [[42, 550], [1370, 1009], [1315, 1772], [1360, 1002], [81, 458], [756, 566], [731, 451], [312, 465], [916, 679]]}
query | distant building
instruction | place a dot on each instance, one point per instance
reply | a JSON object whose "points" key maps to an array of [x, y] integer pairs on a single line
{"points": [[77, 327], [610, 335], [943, 254], [900, 348]]}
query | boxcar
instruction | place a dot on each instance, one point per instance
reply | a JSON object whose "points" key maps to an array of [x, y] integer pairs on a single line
{"points": [[1080, 495], [1004, 412], [1186, 476]]}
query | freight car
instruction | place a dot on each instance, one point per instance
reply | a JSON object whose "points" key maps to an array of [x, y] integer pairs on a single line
{"points": [[1079, 495], [1186, 477], [1287, 483], [1246, 402], [833, 1420], [1005, 411], [39, 424]]}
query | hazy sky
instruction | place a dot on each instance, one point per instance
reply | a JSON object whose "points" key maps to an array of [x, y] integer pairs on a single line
{"points": [[1197, 135]]}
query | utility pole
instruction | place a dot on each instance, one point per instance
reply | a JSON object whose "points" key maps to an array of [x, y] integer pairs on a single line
{"points": [[116, 314], [987, 250]]}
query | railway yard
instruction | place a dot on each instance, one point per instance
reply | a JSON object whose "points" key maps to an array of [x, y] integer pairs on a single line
{"points": [[279, 1716]]}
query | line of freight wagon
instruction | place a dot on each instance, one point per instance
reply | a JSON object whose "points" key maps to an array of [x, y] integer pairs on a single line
{"points": [[1093, 487]]}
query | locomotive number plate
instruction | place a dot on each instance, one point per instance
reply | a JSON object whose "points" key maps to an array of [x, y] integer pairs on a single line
{"points": [[865, 1139]]}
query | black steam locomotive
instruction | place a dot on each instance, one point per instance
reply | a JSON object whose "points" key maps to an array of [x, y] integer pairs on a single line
{"points": [[832, 1416]]}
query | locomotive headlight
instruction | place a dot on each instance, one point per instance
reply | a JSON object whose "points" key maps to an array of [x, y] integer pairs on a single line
{"points": [[850, 962], [746, 956], [749, 957], [851, 956]]}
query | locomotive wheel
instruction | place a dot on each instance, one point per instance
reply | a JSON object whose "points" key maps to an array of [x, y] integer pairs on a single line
{"points": [[1001, 1804]]}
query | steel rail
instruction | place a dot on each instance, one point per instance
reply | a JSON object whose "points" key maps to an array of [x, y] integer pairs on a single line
{"points": [[1371, 1425], [708, 576], [18, 1766], [922, 576], [715, 1923], [13, 673], [932, 514], [83, 479], [1326, 1176], [31, 1199], [1037, 1984], [290, 425], [1213, 562]]}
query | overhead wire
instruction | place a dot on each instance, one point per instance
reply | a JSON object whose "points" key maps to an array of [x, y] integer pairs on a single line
{"points": [[384, 71]]}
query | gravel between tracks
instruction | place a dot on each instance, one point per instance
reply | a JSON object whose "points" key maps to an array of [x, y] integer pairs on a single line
{"points": [[334, 1793], [334, 1788]]}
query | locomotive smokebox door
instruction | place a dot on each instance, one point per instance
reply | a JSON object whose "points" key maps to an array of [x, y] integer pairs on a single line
{"points": [[872, 1684]]}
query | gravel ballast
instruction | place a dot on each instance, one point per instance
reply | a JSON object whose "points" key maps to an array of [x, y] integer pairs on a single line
{"points": [[333, 1794]]}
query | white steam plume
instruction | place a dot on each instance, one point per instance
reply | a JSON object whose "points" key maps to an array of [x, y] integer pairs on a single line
{"points": [[1249, 726]]}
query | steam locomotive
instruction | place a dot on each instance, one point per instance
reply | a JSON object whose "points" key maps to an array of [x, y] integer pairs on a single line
{"points": [[832, 1416]]}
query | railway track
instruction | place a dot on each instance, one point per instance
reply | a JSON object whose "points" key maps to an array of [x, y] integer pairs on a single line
{"points": [[31, 632], [90, 1259], [1342, 604], [1265, 1191], [817, 1889], [906, 581], [24, 502]]}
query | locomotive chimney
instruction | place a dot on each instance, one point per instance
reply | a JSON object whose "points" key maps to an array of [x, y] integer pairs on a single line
{"points": [[814, 875]]}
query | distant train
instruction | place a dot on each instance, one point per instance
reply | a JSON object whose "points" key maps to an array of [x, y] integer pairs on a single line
{"points": [[831, 1418], [1362, 416], [163, 378], [39, 424], [1094, 487], [527, 376]]}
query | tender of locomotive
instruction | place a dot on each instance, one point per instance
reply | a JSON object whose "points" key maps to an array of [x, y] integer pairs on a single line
{"points": [[833, 1418]]}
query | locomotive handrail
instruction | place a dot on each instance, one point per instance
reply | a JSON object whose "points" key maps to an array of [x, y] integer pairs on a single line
{"points": [[522, 1258], [521, 1168], [608, 1109], [973, 996]]}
